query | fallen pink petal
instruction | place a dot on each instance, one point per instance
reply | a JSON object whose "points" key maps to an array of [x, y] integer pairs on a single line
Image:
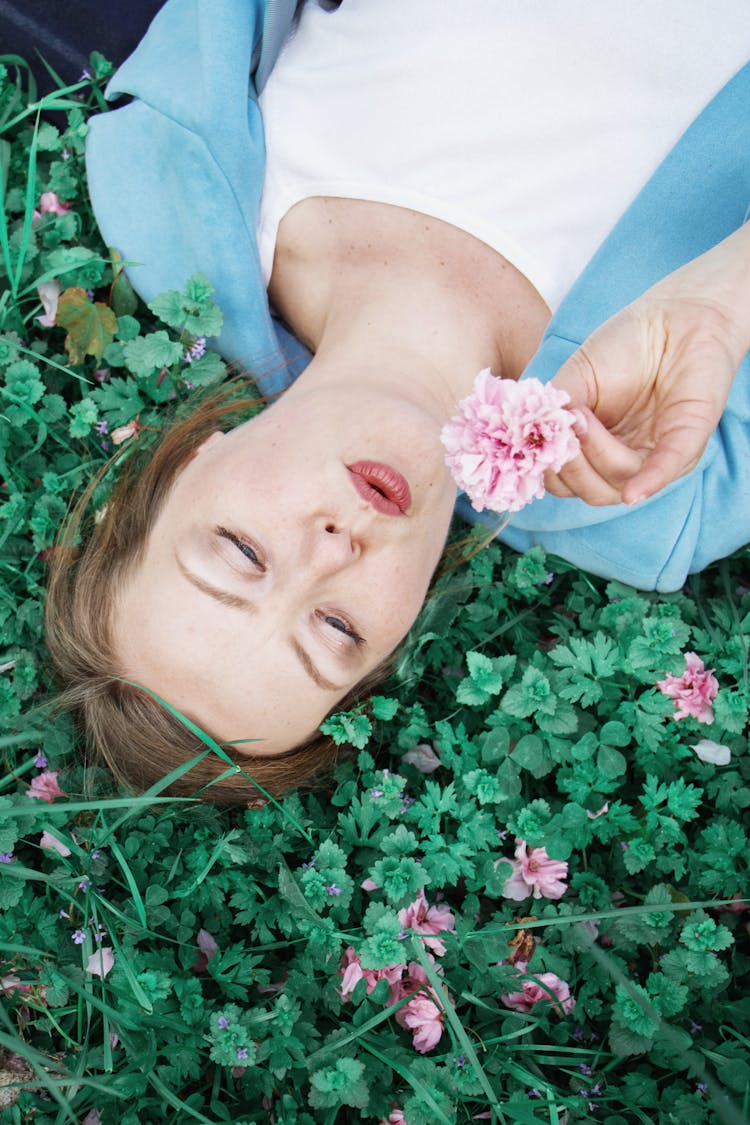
{"points": [[52, 844], [101, 962], [712, 752], [505, 436], [207, 944], [49, 294], [423, 758]]}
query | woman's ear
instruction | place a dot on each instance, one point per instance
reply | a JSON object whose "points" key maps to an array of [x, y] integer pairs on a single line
{"points": [[209, 441]]}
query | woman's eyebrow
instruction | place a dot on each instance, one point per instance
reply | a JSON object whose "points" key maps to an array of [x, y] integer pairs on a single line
{"points": [[236, 601]]}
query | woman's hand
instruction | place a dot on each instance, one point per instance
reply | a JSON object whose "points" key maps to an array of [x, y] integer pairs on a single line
{"points": [[650, 384]]}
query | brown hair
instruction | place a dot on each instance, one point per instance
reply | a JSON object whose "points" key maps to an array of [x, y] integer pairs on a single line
{"points": [[139, 740]]}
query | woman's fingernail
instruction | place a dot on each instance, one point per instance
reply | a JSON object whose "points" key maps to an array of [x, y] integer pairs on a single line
{"points": [[580, 423]]}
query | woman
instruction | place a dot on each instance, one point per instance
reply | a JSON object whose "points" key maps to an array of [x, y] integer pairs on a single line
{"points": [[280, 564]]}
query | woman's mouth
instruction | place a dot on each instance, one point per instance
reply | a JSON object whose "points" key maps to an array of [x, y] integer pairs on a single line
{"points": [[381, 486]]}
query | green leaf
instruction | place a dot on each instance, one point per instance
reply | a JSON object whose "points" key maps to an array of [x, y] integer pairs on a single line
{"points": [[146, 354], [610, 762]]}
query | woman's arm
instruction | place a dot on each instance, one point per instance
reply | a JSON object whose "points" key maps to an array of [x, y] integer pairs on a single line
{"points": [[652, 382]]}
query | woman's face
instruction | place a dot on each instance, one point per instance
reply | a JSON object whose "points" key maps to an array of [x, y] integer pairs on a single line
{"points": [[271, 582]]}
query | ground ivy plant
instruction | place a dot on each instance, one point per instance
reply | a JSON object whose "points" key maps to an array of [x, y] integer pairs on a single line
{"points": [[522, 897]]}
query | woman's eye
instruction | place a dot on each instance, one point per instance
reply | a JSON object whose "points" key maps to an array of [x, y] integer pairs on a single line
{"points": [[341, 626], [243, 547]]}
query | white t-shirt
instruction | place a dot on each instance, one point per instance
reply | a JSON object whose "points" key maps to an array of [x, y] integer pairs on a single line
{"points": [[531, 124]]}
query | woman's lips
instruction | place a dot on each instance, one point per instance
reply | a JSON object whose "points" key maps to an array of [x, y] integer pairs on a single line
{"points": [[381, 486]]}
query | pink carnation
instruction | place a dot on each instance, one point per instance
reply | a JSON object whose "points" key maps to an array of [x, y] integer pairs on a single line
{"points": [[352, 973], [423, 1017], [693, 691], [45, 787], [50, 203], [534, 872], [426, 919], [395, 1117], [504, 438], [532, 992]]}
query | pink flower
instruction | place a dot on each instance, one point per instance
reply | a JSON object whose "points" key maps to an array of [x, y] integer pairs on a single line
{"points": [[532, 992], [368, 885], [101, 962], [49, 294], [52, 844], [50, 203], [395, 1117], [45, 787], [122, 433], [207, 944], [423, 758], [427, 919], [534, 871], [352, 973], [504, 438], [693, 691], [92, 1118], [423, 1017]]}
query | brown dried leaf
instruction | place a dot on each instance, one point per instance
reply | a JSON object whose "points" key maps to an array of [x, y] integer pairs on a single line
{"points": [[90, 325]]}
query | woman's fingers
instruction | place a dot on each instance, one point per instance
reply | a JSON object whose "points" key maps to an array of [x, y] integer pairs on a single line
{"points": [[601, 469]]}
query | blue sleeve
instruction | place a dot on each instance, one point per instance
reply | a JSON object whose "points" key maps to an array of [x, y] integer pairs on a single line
{"points": [[176, 175]]}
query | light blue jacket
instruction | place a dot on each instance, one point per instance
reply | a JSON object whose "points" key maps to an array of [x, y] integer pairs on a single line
{"points": [[175, 179]]}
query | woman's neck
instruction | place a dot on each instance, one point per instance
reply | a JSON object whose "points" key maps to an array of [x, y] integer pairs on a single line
{"points": [[428, 303]]}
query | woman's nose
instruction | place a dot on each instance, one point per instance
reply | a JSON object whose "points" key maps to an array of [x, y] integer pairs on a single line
{"points": [[335, 546]]}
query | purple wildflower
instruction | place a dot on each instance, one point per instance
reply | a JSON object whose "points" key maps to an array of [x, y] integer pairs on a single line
{"points": [[333, 889], [222, 1023], [375, 793], [65, 154], [95, 854], [585, 1069], [459, 1060], [550, 578], [40, 761], [196, 350], [63, 914], [84, 885], [6, 857], [534, 1093], [102, 427], [78, 936], [242, 1052]]}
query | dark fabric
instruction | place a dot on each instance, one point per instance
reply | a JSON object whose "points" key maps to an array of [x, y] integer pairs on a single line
{"points": [[64, 34]]}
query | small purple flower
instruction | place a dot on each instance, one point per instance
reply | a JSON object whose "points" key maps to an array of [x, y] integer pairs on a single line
{"points": [[40, 761], [701, 1087], [459, 1060], [550, 578], [402, 934], [6, 857], [533, 1093], [242, 1052], [333, 889], [592, 1106], [65, 154], [95, 854], [85, 75], [84, 885], [375, 793], [406, 802], [311, 863], [63, 914], [105, 446], [90, 294], [695, 1028], [102, 427], [585, 1069], [196, 350], [596, 1088], [222, 1023], [578, 1033], [78, 936]]}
